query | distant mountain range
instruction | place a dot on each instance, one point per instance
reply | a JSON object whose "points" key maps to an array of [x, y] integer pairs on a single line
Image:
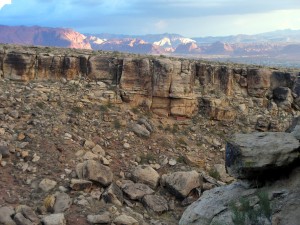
{"points": [[283, 44]]}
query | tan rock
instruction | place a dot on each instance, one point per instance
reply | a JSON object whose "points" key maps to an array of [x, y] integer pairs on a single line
{"points": [[259, 80]]}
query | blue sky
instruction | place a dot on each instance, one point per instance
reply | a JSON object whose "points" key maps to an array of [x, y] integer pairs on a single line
{"points": [[191, 18]]}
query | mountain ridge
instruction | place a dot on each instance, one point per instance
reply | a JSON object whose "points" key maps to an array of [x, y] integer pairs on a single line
{"points": [[261, 47]]}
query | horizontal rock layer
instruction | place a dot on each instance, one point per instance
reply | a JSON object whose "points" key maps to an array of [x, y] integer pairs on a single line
{"points": [[166, 86]]}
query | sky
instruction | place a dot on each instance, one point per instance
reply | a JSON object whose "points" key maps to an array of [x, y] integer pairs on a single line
{"points": [[191, 18]]}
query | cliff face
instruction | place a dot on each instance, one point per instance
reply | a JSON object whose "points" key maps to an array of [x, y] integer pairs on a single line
{"points": [[166, 86], [43, 36]]}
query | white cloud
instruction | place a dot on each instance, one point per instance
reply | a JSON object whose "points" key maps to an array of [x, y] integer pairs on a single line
{"points": [[161, 25], [4, 2]]}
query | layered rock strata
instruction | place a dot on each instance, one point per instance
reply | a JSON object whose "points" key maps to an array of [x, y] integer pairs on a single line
{"points": [[166, 86]]}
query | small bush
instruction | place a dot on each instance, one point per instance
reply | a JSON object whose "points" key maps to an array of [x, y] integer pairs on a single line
{"points": [[41, 105], [103, 108], [244, 214], [181, 141], [214, 173], [135, 110], [77, 110], [180, 159], [146, 158], [117, 124]]}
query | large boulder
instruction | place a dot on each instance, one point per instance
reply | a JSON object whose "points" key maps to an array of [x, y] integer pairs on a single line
{"points": [[211, 204], [6, 214], [146, 174], [137, 191], [254, 155], [278, 202], [94, 171], [181, 183]]}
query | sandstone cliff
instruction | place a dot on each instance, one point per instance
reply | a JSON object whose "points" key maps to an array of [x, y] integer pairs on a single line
{"points": [[167, 86]]}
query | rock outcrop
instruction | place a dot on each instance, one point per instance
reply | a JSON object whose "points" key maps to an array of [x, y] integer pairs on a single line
{"points": [[166, 86], [275, 151], [275, 201]]}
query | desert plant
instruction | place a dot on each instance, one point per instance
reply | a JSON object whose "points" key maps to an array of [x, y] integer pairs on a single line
{"points": [[146, 158], [243, 213], [77, 110], [117, 124], [214, 173], [265, 205], [103, 108], [41, 105]]}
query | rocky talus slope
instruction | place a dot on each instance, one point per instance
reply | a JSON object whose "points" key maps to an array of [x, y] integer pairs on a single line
{"points": [[96, 138]]}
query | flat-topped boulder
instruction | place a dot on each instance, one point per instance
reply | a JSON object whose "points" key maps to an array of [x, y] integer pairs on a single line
{"points": [[256, 154]]}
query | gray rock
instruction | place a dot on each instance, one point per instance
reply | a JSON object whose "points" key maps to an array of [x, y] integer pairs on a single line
{"points": [[282, 94], [80, 185], [104, 218], [210, 204], [251, 155], [62, 202], [89, 144], [125, 220], [145, 174], [47, 184], [146, 123], [28, 213], [6, 214], [98, 150], [54, 219], [4, 151], [281, 205], [113, 194], [155, 203], [180, 184], [95, 171], [20, 219], [296, 132], [137, 191], [14, 114], [140, 130]]}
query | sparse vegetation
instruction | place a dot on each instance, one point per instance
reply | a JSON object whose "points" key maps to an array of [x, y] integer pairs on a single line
{"points": [[117, 124], [41, 105], [146, 158], [181, 141], [214, 173], [77, 110], [103, 108], [180, 159], [244, 213]]}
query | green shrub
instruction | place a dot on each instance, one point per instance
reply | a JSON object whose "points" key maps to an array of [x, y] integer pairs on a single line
{"points": [[146, 158], [117, 124], [214, 173], [77, 110], [244, 213], [103, 108]]}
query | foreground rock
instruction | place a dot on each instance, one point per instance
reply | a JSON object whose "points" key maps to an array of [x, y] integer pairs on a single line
{"points": [[147, 175], [94, 171], [277, 202], [252, 155], [181, 183], [54, 219], [103, 218], [6, 214], [125, 220], [137, 191], [155, 203], [249, 156]]}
